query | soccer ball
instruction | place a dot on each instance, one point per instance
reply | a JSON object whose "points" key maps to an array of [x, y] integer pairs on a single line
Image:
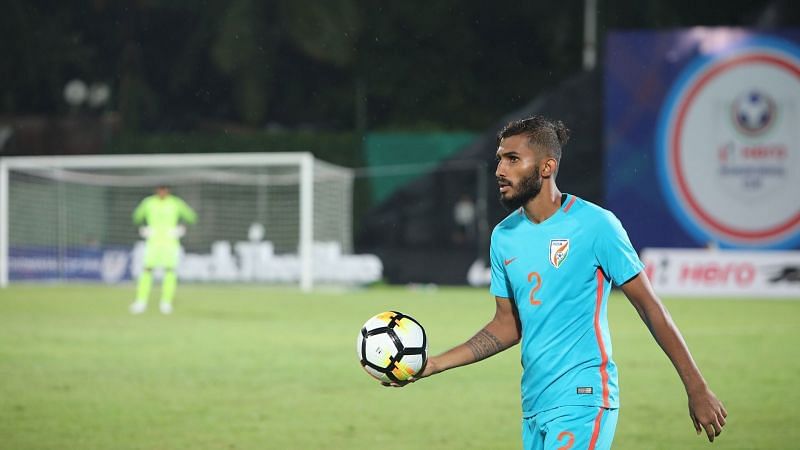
{"points": [[392, 347], [753, 112]]}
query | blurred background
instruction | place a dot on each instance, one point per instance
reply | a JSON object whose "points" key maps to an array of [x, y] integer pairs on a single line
{"points": [[684, 118], [407, 95]]}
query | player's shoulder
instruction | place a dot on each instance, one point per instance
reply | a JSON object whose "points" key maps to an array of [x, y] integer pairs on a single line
{"points": [[511, 221], [601, 221], [588, 211]]}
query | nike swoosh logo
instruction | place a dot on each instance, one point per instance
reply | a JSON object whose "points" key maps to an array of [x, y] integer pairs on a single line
{"points": [[509, 261]]}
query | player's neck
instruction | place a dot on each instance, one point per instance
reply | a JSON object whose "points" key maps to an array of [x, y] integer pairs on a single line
{"points": [[544, 205]]}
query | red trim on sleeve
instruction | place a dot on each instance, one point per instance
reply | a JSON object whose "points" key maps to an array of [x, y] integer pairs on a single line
{"points": [[569, 203], [599, 334]]}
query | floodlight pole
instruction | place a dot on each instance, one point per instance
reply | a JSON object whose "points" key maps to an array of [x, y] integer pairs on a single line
{"points": [[589, 34]]}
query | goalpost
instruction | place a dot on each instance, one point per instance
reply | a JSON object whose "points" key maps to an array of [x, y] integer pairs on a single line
{"points": [[69, 217]]}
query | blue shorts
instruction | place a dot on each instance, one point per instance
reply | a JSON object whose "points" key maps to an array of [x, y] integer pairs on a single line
{"points": [[570, 427]]}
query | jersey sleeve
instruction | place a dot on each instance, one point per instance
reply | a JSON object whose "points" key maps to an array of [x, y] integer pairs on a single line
{"points": [[140, 213], [614, 252], [185, 212], [499, 286]]}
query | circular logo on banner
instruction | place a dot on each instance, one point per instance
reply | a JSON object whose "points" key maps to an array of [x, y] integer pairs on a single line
{"points": [[729, 146]]}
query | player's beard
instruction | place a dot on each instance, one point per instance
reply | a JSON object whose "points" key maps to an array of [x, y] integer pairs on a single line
{"points": [[529, 188]]}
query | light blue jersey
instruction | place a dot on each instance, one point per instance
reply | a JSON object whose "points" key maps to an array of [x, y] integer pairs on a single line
{"points": [[559, 274]]}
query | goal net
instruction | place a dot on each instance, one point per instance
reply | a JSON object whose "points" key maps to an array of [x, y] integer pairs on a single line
{"points": [[262, 217]]}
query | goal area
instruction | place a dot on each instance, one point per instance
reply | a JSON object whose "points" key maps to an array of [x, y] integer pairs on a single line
{"points": [[262, 217]]}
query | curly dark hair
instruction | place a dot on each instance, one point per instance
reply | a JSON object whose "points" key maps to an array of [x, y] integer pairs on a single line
{"points": [[549, 135]]}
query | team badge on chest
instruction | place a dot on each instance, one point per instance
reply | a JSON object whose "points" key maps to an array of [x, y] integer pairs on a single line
{"points": [[559, 248]]}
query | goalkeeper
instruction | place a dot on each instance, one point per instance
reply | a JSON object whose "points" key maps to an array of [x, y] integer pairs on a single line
{"points": [[162, 214]]}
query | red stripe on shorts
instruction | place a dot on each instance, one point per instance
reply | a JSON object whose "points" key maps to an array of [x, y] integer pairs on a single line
{"points": [[596, 430]]}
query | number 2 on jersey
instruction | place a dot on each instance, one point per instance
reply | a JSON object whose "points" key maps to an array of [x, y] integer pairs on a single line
{"points": [[534, 277], [570, 440]]}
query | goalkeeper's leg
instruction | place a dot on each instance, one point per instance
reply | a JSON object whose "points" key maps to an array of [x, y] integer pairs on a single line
{"points": [[170, 282], [152, 257], [168, 286], [143, 291]]}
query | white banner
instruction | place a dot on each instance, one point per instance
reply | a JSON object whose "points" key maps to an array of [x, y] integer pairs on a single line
{"points": [[723, 272], [257, 261]]}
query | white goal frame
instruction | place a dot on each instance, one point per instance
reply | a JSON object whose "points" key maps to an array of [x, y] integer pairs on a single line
{"points": [[304, 160]]}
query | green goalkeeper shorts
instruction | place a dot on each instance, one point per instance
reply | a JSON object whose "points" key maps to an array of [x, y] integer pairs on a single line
{"points": [[162, 254]]}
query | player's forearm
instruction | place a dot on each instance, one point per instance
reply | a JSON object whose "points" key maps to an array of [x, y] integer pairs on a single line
{"points": [[190, 218], [187, 213], [491, 340], [659, 322], [669, 338]]}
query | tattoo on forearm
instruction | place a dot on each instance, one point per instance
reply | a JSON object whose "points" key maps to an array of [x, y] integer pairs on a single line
{"points": [[484, 344]]}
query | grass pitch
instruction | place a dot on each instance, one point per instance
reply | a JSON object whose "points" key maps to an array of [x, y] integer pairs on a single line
{"points": [[247, 367]]}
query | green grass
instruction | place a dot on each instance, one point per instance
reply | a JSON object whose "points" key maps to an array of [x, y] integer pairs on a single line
{"points": [[239, 367]]}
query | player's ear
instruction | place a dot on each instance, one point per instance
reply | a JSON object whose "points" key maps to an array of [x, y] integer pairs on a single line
{"points": [[549, 166]]}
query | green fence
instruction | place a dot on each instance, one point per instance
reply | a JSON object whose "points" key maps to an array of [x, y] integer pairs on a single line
{"points": [[412, 154]]}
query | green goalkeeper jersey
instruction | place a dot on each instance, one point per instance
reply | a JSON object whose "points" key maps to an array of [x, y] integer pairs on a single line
{"points": [[162, 216]]}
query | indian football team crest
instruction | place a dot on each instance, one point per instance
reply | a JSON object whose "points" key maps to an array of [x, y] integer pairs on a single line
{"points": [[559, 248]]}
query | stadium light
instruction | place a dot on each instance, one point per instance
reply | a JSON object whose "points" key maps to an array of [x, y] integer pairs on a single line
{"points": [[75, 92], [99, 93]]}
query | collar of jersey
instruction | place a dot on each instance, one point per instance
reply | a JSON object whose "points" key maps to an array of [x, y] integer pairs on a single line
{"points": [[551, 219]]}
